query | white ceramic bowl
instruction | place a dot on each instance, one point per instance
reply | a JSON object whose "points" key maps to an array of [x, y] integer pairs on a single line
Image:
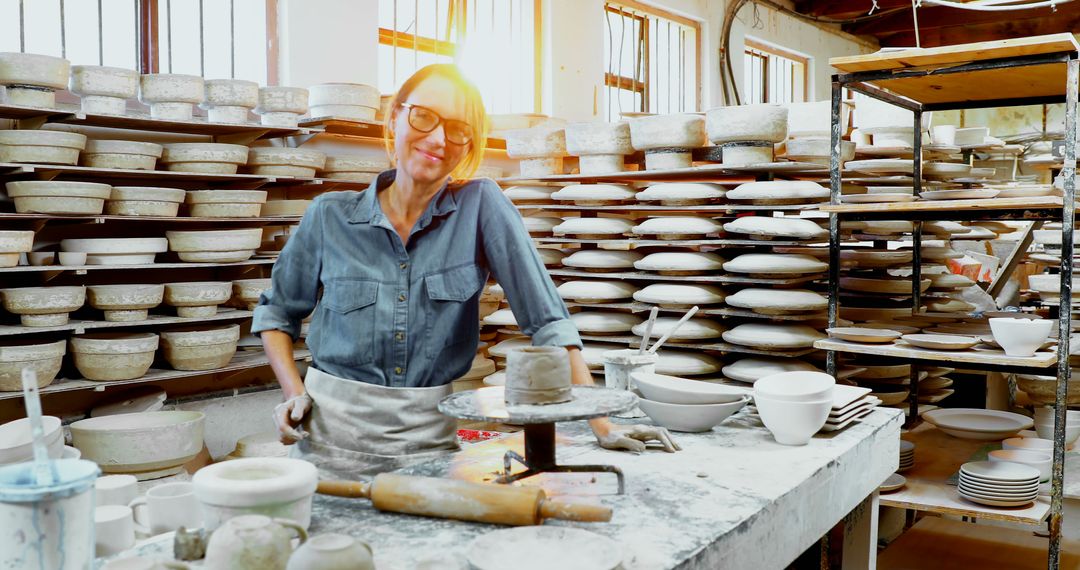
{"points": [[141, 442], [15, 441], [1046, 431], [1045, 415], [1037, 459], [792, 423], [690, 417], [675, 390], [798, 386], [1020, 337], [271, 486], [1029, 444]]}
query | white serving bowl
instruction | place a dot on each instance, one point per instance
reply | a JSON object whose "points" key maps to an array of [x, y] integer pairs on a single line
{"points": [[142, 442], [792, 423], [675, 390], [1046, 431], [1020, 337], [15, 440], [798, 386], [270, 486], [1029, 444], [690, 417], [1037, 459]]}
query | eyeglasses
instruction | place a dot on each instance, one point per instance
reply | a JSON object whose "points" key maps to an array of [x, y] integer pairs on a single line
{"points": [[425, 120]]}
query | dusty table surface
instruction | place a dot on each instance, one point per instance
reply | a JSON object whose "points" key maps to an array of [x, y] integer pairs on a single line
{"points": [[732, 498]]}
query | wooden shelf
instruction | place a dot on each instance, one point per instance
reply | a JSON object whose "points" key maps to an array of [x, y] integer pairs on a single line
{"points": [[637, 207], [938, 456], [987, 358], [81, 326], [52, 170], [366, 129], [935, 543], [242, 361], [714, 242], [715, 278], [708, 173], [949, 206], [102, 218], [705, 311], [717, 346], [82, 269]]}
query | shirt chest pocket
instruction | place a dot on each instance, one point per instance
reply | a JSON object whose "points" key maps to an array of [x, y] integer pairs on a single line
{"points": [[350, 320], [452, 317]]}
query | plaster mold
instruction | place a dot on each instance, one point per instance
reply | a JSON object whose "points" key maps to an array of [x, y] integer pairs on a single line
{"points": [[541, 225], [281, 106], [125, 302], [596, 291], [58, 197], [229, 100], [813, 119], [774, 336], [132, 155], [41, 146], [767, 227], [284, 161], [225, 203], [589, 228], [599, 146], [13, 243], [103, 90], [818, 151], [344, 100], [221, 246], [682, 193], [531, 194], [117, 251], [43, 306], [354, 169], [32, 79], [540, 150], [696, 328], [681, 263], [197, 299], [274, 208], [604, 322], [763, 122], [144, 201], [778, 301], [200, 348], [738, 154], [602, 260], [775, 264], [43, 358], [668, 139], [551, 257], [679, 295], [780, 192], [146, 444], [676, 227], [594, 194], [205, 158], [171, 96], [686, 363], [248, 291]]}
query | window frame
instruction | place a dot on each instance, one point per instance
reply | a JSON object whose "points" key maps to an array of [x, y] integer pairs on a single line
{"points": [[751, 45]]}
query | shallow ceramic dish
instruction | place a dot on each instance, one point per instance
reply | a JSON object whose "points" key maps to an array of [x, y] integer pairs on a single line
{"points": [[674, 390], [544, 548], [999, 472], [691, 417], [880, 166], [680, 263], [773, 336], [857, 334], [977, 424], [530, 194], [992, 502], [940, 341], [767, 227], [679, 295], [140, 443], [778, 301]]}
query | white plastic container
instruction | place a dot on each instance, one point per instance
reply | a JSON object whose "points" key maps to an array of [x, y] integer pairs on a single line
{"points": [[619, 365]]}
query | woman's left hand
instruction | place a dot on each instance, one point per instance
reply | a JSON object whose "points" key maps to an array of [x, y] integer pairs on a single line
{"points": [[633, 437]]}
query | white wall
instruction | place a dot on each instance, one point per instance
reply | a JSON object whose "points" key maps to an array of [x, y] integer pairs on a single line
{"points": [[328, 40]]}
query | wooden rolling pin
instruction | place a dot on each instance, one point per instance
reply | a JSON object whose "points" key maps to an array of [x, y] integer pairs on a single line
{"points": [[461, 500]]}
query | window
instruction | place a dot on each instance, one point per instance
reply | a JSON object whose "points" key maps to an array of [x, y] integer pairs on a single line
{"points": [[773, 75], [167, 36], [651, 59], [493, 41]]}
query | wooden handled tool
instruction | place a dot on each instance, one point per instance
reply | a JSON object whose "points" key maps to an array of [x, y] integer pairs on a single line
{"points": [[461, 500]]}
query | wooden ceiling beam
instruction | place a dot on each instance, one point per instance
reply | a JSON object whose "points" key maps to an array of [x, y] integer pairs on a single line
{"points": [[845, 8], [932, 17], [962, 34]]}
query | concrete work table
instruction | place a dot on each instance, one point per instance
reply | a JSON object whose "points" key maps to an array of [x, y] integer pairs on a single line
{"points": [[732, 498]]}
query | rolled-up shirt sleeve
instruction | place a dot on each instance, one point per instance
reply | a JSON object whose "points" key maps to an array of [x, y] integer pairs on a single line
{"points": [[294, 282], [516, 265]]}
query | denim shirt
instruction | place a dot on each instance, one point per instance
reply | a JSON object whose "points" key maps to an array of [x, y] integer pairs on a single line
{"points": [[408, 315]]}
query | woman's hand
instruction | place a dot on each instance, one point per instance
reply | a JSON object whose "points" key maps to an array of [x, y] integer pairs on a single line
{"points": [[631, 437], [288, 415]]}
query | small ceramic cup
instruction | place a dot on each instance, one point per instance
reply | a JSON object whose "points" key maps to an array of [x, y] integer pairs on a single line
{"points": [[168, 507], [41, 257], [71, 258], [116, 489], [114, 529]]}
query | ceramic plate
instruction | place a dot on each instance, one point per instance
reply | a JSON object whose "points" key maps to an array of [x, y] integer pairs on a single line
{"points": [[906, 446], [999, 486], [844, 396], [876, 198], [898, 327], [994, 502], [853, 412], [856, 334], [973, 194], [984, 487], [543, 548], [940, 341], [847, 421], [974, 423]]}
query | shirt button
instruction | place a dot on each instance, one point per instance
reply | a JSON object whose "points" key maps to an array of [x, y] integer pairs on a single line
{"points": [[404, 265], [401, 297], [399, 336], [399, 370]]}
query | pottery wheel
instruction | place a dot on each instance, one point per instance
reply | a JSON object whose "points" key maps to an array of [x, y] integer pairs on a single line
{"points": [[487, 404]]}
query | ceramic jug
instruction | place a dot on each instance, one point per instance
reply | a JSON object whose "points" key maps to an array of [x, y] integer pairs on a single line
{"points": [[253, 542], [332, 552]]}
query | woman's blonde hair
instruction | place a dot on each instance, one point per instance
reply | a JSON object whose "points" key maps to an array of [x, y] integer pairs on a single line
{"points": [[474, 115]]}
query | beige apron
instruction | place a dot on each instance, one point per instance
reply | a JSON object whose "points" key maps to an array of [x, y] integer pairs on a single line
{"points": [[357, 430]]}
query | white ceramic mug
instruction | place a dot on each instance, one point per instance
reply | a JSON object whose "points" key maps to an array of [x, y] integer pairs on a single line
{"points": [[114, 529], [115, 490], [168, 507]]}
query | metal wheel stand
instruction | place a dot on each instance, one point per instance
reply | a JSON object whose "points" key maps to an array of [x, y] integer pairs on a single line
{"points": [[540, 458]]}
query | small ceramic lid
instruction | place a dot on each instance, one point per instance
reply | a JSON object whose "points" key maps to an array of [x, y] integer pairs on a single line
{"points": [[774, 335], [778, 299], [680, 261], [686, 363], [501, 318], [604, 321], [503, 348], [516, 193], [769, 226], [541, 223], [754, 367], [678, 225], [779, 190], [551, 256], [612, 290], [602, 259], [695, 328], [594, 192], [777, 263], [682, 191], [611, 226], [682, 294]]}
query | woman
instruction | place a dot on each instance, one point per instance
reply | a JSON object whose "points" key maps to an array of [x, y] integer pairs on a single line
{"points": [[401, 267]]}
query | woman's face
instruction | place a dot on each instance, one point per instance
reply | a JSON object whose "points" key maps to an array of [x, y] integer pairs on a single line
{"points": [[428, 158]]}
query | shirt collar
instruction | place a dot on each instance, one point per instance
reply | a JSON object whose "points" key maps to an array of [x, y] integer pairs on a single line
{"points": [[368, 209]]}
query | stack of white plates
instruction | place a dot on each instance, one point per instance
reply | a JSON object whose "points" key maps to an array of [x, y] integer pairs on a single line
{"points": [[907, 456], [999, 484], [850, 403]]}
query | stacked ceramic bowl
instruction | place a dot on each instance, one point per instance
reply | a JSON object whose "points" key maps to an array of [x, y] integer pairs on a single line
{"points": [[1044, 424], [999, 483], [681, 404], [794, 405], [907, 456]]}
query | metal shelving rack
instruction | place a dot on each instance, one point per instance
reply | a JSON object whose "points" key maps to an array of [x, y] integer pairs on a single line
{"points": [[1025, 71]]}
